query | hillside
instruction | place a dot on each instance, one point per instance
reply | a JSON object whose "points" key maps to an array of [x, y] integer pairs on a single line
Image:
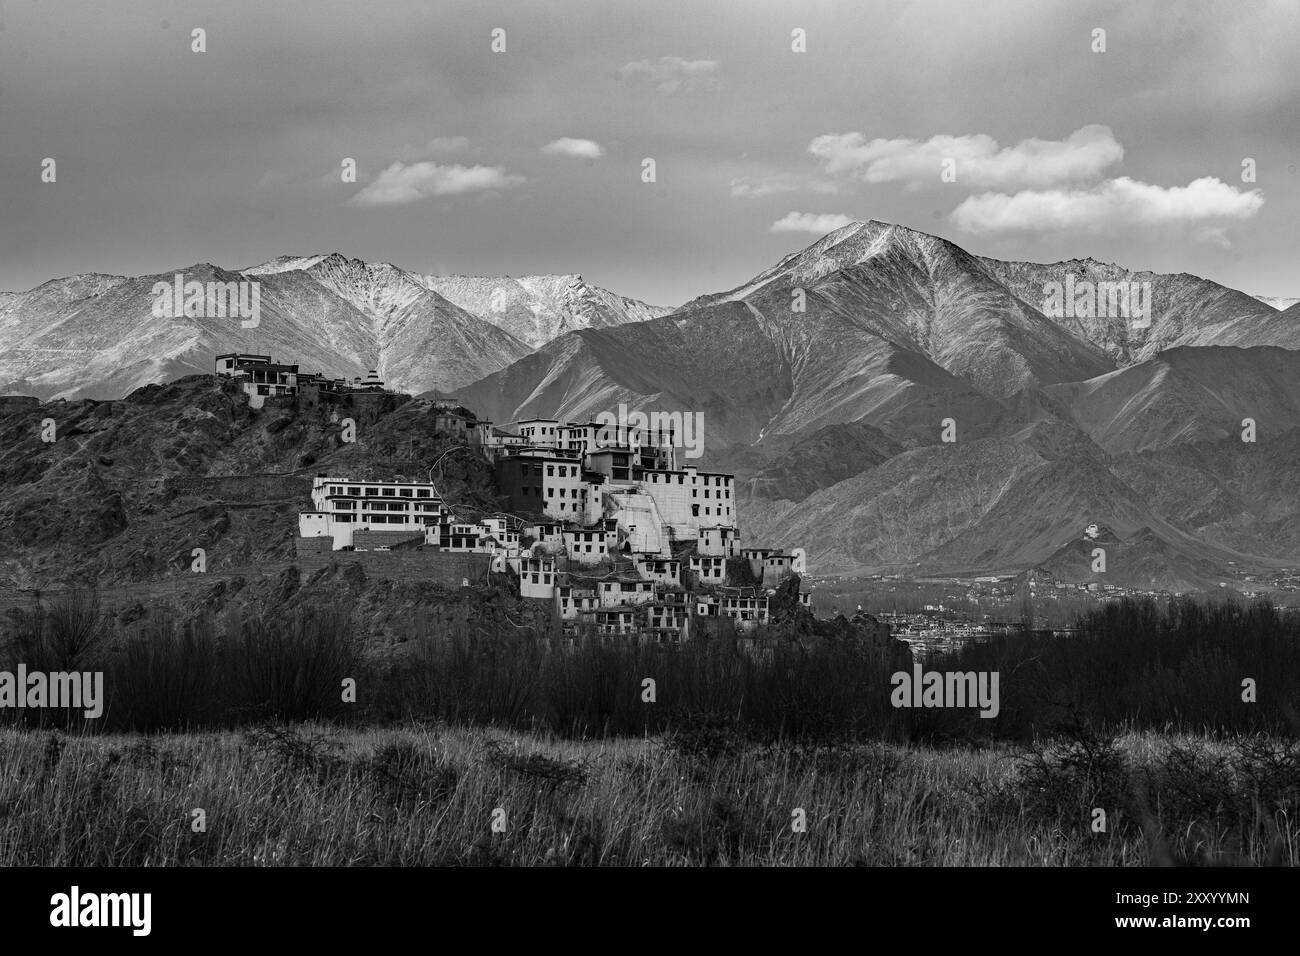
{"points": [[1184, 309], [130, 487]]}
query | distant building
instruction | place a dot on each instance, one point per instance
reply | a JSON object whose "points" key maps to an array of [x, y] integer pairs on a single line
{"points": [[258, 375], [344, 505]]}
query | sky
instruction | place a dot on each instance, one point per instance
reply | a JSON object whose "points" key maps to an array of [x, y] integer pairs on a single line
{"points": [[1014, 129]]}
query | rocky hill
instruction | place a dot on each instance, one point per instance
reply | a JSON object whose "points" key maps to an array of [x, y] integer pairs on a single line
{"points": [[130, 487]]}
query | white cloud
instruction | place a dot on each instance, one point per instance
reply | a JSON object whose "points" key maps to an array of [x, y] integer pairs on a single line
{"points": [[818, 223], [577, 148], [672, 74], [401, 184], [438, 146], [1115, 204], [1035, 163], [745, 187]]}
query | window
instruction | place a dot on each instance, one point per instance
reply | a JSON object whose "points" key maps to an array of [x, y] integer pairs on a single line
{"points": [[390, 493], [406, 492], [422, 493], [550, 471], [354, 491]]}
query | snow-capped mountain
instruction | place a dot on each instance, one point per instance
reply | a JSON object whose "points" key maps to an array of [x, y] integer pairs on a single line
{"points": [[1281, 304], [824, 380], [537, 309], [97, 337]]}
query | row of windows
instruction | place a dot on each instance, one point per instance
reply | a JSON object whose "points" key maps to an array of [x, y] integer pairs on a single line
{"points": [[374, 519], [721, 494], [388, 506], [550, 492], [355, 491], [695, 511], [681, 479]]}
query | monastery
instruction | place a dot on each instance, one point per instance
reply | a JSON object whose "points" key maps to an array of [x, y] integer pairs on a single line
{"points": [[600, 520]]}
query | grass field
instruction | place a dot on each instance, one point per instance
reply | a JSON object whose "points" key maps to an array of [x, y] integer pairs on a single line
{"points": [[1158, 735], [421, 795]]}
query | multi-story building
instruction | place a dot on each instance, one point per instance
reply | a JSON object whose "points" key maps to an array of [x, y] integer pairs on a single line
{"points": [[708, 569], [541, 482], [776, 568], [571, 601], [542, 432], [689, 499], [343, 505], [537, 578], [613, 593], [718, 541], [747, 610], [590, 545], [613, 620], [258, 374], [666, 572]]}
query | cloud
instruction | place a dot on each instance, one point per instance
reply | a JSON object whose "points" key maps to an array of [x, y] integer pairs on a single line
{"points": [[818, 223], [1035, 163], [401, 184], [1115, 204], [745, 187], [438, 146], [577, 148], [671, 74]]}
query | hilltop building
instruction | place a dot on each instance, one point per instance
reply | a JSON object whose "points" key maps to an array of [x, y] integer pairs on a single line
{"points": [[261, 375], [599, 522]]}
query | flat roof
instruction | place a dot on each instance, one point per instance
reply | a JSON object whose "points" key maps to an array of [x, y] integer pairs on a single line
{"points": [[374, 481]]}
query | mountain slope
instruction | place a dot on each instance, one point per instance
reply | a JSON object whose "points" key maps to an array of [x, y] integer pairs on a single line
{"points": [[1184, 309], [1186, 395], [96, 336], [537, 309], [747, 372], [927, 295]]}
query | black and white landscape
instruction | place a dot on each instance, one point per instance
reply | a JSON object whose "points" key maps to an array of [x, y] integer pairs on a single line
{"points": [[989, 317]]}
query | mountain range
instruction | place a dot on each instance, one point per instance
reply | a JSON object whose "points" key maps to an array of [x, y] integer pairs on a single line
{"points": [[95, 336], [887, 399]]}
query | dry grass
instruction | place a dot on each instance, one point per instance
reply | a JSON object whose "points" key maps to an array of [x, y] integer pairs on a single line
{"points": [[424, 795]]}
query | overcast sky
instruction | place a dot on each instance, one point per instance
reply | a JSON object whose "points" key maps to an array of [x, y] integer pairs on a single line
{"points": [[530, 160]]}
